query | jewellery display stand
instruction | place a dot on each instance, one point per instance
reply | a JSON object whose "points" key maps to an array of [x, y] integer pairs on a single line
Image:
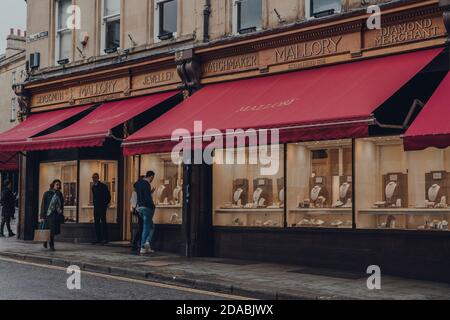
{"points": [[240, 192], [280, 192], [263, 192], [395, 192], [319, 196], [168, 195], [436, 189]]}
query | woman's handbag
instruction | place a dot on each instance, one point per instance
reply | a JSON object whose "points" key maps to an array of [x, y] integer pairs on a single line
{"points": [[42, 234]]}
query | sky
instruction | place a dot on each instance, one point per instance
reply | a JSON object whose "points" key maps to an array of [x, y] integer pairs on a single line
{"points": [[13, 14]]}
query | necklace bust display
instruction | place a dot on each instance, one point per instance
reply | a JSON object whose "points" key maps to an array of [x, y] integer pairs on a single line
{"points": [[237, 195], [343, 190], [281, 195], [390, 189], [257, 195], [178, 193], [433, 192], [160, 193], [315, 192]]}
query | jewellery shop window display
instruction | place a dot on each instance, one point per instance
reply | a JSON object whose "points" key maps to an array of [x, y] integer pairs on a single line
{"points": [[401, 190], [168, 184], [108, 175], [319, 184], [67, 173], [250, 192]]}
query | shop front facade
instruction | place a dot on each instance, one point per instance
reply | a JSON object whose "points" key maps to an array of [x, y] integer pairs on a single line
{"points": [[345, 189]]}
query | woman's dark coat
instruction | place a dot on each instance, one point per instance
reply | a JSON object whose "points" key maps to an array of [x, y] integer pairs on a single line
{"points": [[54, 220], [8, 201]]}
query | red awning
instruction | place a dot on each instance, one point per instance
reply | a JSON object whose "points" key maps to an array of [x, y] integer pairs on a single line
{"points": [[432, 126], [9, 161], [95, 128], [325, 103], [15, 138]]}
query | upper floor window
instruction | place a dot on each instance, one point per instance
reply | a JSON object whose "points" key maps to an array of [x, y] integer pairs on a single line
{"points": [[13, 116], [166, 19], [248, 15], [111, 25], [318, 8], [63, 32]]}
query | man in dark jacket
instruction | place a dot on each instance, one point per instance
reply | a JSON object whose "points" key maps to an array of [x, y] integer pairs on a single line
{"points": [[8, 201], [101, 198], [146, 209]]}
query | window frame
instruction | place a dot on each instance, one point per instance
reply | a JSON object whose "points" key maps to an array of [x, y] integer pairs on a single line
{"points": [[309, 8], [157, 36], [104, 21], [59, 32], [237, 19]]}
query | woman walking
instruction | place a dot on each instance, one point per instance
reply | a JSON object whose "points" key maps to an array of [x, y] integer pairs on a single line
{"points": [[8, 201], [52, 211]]}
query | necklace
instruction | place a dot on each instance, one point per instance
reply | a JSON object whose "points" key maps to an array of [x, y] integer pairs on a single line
{"points": [[281, 195], [237, 194], [177, 193], [433, 192], [343, 190], [160, 192], [315, 192], [390, 189]]}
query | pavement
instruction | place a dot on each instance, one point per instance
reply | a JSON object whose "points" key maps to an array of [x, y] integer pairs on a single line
{"points": [[236, 277]]}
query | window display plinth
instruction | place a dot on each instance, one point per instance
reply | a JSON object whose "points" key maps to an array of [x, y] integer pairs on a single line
{"points": [[250, 217], [168, 214], [321, 217]]}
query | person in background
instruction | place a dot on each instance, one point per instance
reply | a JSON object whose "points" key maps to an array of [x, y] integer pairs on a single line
{"points": [[136, 244], [8, 208], [101, 198], [52, 211], [146, 209]]}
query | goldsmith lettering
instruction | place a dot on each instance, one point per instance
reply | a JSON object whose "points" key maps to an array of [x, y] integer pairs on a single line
{"points": [[231, 64], [51, 97], [97, 89], [408, 31], [307, 49]]}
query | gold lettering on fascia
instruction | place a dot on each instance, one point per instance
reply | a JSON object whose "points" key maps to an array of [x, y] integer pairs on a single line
{"points": [[52, 97], [157, 78], [308, 49], [405, 32], [275, 105], [231, 64], [98, 89]]}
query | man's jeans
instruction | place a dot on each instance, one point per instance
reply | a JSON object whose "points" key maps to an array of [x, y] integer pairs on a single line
{"points": [[149, 227]]}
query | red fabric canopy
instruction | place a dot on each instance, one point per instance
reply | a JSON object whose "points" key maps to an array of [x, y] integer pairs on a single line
{"points": [[92, 130], [9, 161], [325, 103], [15, 138], [432, 126]]}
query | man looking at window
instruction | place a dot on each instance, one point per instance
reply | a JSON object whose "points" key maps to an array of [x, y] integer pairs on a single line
{"points": [[101, 198], [146, 209]]}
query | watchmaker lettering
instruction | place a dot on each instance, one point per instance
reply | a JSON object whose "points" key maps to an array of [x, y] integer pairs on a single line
{"points": [[97, 89], [308, 49], [231, 64], [408, 31], [157, 78], [48, 98], [275, 105]]}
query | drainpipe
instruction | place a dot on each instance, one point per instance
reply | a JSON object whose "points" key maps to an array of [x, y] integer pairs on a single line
{"points": [[445, 4], [206, 15]]}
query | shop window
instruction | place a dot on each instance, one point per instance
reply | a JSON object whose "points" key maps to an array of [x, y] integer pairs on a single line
{"points": [[401, 190], [108, 175], [13, 110], [319, 184], [168, 184], [248, 15], [166, 19], [245, 195], [111, 25], [319, 8], [67, 173], [63, 32]]}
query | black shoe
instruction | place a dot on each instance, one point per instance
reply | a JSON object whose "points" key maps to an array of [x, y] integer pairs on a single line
{"points": [[104, 242], [45, 245], [52, 249], [12, 234]]}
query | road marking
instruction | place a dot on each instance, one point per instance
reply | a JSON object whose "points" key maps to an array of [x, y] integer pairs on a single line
{"points": [[123, 279]]}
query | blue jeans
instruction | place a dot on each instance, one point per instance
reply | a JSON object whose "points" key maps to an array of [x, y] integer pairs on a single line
{"points": [[149, 227]]}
